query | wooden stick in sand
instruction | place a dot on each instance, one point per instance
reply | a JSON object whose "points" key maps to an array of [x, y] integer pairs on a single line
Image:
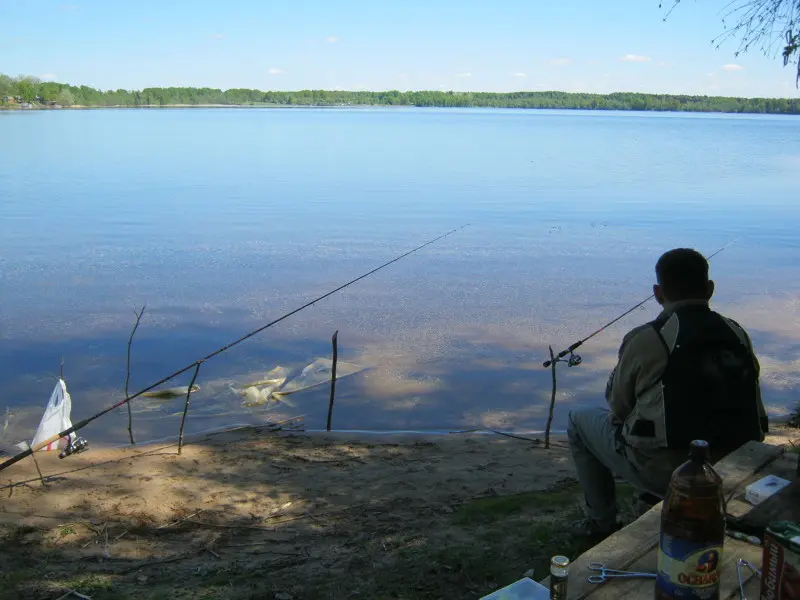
{"points": [[552, 399], [128, 371], [38, 470], [186, 406], [335, 344]]}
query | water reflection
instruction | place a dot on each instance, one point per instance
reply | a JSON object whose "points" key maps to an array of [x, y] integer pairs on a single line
{"points": [[487, 375]]}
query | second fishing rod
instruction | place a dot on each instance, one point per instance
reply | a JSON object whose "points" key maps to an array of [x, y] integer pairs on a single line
{"points": [[575, 360]]}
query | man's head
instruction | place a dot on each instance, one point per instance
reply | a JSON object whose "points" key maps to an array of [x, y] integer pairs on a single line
{"points": [[682, 274]]}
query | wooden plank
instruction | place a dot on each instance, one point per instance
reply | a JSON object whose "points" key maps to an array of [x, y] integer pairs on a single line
{"points": [[740, 465], [631, 543], [784, 466], [643, 588]]}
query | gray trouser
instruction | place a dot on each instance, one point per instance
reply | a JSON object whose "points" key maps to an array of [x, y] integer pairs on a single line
{"points": [[599, 454]]}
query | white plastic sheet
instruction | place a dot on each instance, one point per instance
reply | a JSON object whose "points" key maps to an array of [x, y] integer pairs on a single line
{"points": [[277, 385], [318, 373]]}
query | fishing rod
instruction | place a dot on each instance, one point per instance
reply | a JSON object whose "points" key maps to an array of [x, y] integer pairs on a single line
{"points": [[575, 360], [197, 363]]}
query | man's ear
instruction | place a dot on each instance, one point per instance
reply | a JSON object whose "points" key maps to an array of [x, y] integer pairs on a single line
{"points": [[710, 289], [658, 293]]}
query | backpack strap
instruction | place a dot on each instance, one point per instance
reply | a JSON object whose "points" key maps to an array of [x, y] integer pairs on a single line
{"points": [[657, 325]]}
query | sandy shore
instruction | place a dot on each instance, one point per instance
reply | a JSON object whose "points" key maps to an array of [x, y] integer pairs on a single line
{"points": [[257, 514]]}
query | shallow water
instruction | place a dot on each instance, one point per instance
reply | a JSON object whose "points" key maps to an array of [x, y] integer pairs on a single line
{"points": [[220, 220]]}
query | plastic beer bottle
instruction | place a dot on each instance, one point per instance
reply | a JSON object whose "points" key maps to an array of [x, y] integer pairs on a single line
{"points": [[692, 531]]}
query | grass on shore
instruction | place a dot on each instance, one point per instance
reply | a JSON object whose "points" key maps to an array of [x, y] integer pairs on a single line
{"points": [[481, 545]]}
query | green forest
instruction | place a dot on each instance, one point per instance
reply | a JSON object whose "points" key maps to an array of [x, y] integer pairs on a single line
{"points": [[32, 91]]}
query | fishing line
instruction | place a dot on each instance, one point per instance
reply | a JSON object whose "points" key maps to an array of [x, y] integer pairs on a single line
{"points": [[574, 361], [81, 424]]}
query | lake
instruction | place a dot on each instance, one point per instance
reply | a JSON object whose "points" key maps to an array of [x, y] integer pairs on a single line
{"points": [[220, 220]]}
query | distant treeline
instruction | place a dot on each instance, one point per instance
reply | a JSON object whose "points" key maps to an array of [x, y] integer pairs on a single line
{"points": [[31, 90]]}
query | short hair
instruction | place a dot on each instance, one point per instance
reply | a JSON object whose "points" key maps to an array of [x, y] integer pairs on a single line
{"points": [[682, 274]]}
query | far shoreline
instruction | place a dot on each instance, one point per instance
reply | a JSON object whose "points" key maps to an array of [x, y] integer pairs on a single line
{"points": [[38, 108]]}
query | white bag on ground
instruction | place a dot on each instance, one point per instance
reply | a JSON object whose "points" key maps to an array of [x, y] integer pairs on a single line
{"points": [[56, 419]]}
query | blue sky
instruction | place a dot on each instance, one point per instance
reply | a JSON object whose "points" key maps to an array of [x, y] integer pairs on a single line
{"points": [[571, 45]]}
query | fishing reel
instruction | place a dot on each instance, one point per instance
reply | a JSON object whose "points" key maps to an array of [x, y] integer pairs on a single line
{"points": [[574, 360], [76, 447]]}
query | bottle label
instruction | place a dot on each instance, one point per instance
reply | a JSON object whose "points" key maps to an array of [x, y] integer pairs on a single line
{"points": [[558, 588], [689, 570]]}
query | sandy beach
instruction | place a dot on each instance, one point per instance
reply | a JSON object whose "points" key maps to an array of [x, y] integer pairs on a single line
{"points": [[254, 513]]}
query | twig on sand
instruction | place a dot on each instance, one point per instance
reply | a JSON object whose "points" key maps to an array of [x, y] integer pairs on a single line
{"points": [[161, 561], [517, 437], [257, 528], [553, 363], [511, 435], [128, 371], [325, 460], [97, 534], [186, 406], [306, 515], [74, 593], [180, 521], [264, 543], [275, 426]]}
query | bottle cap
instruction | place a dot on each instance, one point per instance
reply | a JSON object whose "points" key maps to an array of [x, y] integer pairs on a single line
{"points": [[699, 450], [559, 561]]}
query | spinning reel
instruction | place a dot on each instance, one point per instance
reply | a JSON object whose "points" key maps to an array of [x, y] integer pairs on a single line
{"points": [[79, 445]]}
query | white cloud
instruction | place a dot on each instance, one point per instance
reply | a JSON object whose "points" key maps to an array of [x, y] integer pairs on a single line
{"points": [[47, 77], [635, 58], [560, 62], [276, 71], [464, 75], [331, 39], [218, 36], [520, 75], [732, 67]]}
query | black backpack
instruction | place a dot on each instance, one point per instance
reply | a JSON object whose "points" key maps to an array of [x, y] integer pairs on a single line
{"points": [[710, 384]]}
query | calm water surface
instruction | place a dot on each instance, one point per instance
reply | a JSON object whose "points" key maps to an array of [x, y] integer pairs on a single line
{"points": [[220, 220]]}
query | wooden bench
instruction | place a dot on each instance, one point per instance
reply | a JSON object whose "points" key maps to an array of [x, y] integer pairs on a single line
{"points": [[635, 546]]}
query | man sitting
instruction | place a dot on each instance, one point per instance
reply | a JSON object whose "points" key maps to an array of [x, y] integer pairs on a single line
{"points": [[690, 374]]}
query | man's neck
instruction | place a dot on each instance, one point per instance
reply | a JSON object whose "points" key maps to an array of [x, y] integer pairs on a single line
{"points": [[670, 307]]}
